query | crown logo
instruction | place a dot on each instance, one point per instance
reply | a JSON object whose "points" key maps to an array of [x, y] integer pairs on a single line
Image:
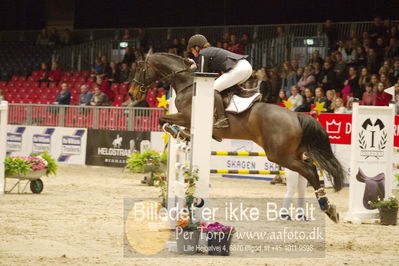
{"points": [[333, 127]]}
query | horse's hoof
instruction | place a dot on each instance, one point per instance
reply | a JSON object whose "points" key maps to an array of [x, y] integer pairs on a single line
{"points": [[332, 213]]}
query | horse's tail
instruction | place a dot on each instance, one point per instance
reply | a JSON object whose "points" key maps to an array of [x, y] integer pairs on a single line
{"points": [[317, 146]]}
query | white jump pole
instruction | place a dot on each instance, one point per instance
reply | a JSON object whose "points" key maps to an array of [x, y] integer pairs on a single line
{"points": [[3, 141], [201, 133]]}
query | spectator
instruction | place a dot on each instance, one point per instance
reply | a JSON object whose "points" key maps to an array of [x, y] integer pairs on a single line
{"points": [[128, 58], [275, 81], [369, 96], [307, 80], [288, 78], [340, 68], [349, 105], [332, 35], [364, 78], [97, 68], [106, 88], [383, 98], [104, 66], [141, 102], [113, 73], [55, 73], [321, 98], [316, 57], [385, 80], [126, 35], [351, 84], [339, 107], [66, 38], [245, 40], [348, 53], [183, 45], [64, 97], [281, 98], [124, 73], [396, 70], [307, 102], [296, 99], [174, 48], [392, 49], [141, 39], [372, 62], [44, 72], [85, 96], [374, 79], [393, 33], [361, 57], [234, 46], [99, 98], [328, 78], [331, 96], [299, 73], [226, 37], [43, 37], [380, 51], [378, 29], [139, 55], [265, 86], [317, 71], [294, 64]]}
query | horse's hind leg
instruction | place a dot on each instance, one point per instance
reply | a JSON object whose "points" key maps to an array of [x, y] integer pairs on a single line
{"points": [[309, 171]]}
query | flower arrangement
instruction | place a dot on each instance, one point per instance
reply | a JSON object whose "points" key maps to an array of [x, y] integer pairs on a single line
{"points": [[390, 203], [220, 228], [21, 165], [137, 161], [186, 224]]}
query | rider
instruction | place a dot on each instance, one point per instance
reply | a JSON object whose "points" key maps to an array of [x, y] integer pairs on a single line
{"points": [[235, 68]]}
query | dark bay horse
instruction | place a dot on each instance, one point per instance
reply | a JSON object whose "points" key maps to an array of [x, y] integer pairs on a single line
{"points": [[284, 135]]}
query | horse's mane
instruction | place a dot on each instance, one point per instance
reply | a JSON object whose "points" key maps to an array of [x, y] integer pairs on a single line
{"points": [[175, 56]]}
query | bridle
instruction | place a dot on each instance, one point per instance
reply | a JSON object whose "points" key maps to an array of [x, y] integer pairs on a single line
{"points": [[168, 77]]}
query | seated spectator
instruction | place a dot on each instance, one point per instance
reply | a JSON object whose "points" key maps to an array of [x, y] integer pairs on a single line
{"points": [[396, 70], [361, 57], [104, 67], [44, 72], [275, 81], [372, 62], [331, 96], [139, 55], [374, 79], [128, 58], [328, 78], [339, 68], [99, 98], [348, 53], [380, 50], [315, 57], [234, 46], [294, 64], [113, 73], [383, 98], [226, 37], [85, 96], [265, 86], [245, 40], [351, 84], [174, 48], [385, 80], [317, 71], [364, 78], [64, 97], [339, 107], [349, 105], [369, 96], [320, 98], [296, 99], [55, 73], [288, 78], [299, 73], [393, 49], [106, 88], [281, 98], [307, 102], [124, 73], [42, 38], [97, 67], [307, 80]]}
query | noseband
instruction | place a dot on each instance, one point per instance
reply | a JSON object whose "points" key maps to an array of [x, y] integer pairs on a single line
{"points": [[168, 77]]}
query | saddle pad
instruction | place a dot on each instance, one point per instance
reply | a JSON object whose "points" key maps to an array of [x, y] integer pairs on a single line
{"points": [[238, 104]]}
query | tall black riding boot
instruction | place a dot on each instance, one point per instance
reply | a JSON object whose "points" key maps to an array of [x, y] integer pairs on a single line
{"points": [[221, 119]]}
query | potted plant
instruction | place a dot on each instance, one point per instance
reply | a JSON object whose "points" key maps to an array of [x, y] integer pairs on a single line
{"points": [[388, 210], [149, 161], [219, 238], [187, 235]]}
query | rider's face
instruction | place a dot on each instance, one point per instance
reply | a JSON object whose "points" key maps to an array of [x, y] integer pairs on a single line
{"points": [[195, 51]]}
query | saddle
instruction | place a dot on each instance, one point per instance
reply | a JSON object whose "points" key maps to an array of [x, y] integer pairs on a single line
{"points": [[374, 187], [237, 100]]}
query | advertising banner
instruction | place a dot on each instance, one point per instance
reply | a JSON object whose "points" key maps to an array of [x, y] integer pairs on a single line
{"points": [[66, 145], [371, 159], [111, 147]]}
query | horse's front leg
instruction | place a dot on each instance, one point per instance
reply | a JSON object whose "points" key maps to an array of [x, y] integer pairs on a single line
{"points": [[171, 124]]}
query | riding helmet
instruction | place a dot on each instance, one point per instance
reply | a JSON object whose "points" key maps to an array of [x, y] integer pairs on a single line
{"points": [[197, 39]]}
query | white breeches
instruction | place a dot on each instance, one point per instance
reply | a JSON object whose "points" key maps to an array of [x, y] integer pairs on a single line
{"points": [[295, 183], [237, 75]]}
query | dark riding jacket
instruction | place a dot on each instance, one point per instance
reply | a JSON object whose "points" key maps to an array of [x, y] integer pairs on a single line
{"points": [[218, 60]]}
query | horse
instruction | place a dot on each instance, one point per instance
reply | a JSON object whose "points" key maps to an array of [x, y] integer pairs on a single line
{"points": [[285, 136]]}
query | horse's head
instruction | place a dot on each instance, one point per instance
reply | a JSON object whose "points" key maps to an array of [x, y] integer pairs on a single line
{"points": [[157, 67]]}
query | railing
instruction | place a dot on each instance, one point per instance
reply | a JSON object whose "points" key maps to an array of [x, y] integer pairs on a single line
{"points": [[112, 118]]}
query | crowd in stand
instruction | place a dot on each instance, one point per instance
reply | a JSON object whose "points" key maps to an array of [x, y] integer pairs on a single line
{"points": [[359, 67]]}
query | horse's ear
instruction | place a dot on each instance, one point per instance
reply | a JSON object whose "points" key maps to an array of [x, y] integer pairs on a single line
{"points": [[150, 52]]}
